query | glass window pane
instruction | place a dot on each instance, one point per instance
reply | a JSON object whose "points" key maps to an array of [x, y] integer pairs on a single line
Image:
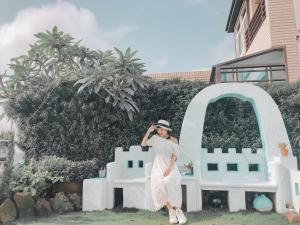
{"points": [[240, 44], [245, 76], [273, 57], [278, 75], [226, 77]]}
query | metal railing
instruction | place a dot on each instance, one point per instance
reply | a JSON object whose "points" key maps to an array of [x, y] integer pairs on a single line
{"points": [[255, 23]]}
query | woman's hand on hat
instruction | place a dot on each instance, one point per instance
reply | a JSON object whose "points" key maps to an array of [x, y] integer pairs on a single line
{"points": [[151, 128]]}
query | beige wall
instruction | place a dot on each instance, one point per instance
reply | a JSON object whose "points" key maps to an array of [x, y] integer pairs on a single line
{"points": [[280, 28], [297, 12], [262, 39], [284, 32], [297, 17]]}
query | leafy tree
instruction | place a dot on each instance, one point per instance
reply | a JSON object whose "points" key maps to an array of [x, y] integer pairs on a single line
{"points": [[56, 58]]}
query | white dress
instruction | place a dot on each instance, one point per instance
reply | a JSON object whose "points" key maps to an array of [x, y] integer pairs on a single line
{"points": [[163, 188]]}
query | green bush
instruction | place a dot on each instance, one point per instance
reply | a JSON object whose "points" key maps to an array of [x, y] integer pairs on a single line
{"points": [[39, 176], [70, 170], [287, 98], [231, 123], [81, 127], [33, 178]]}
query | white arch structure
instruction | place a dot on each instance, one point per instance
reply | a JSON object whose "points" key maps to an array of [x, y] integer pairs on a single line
{"points": [[271, 125], [272, 132]]}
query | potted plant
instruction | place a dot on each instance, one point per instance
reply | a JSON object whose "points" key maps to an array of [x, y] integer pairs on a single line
{"points": [[189, 166], [102, 171], [68, 186], [75, 172], [283, 149]]}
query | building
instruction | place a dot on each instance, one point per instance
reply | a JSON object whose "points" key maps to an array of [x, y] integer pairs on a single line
{"points": [[267, 42], [191, 75]]}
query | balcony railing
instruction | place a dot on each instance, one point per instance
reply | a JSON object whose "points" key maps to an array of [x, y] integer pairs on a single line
{"points": [[256, 22]]}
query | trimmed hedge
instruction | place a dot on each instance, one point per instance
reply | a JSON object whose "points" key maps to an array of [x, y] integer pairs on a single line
{"points": [[81, 127], [231, 123]]}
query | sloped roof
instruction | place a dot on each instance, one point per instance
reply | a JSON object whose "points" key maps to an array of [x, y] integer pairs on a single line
{"points": [[189, 75], [233, 14]]}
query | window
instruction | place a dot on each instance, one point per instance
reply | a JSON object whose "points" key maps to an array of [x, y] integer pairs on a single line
{"points": [[212, 166], [240, 32], [232, 167], [266, 66], [256, 21], [260, 74], [278, 73], [253, 167], [141, 163], [130, 163], [255, 74], [226, 76]]}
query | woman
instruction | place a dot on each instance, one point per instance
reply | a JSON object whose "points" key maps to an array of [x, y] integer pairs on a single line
{"points": [[165, 176]]}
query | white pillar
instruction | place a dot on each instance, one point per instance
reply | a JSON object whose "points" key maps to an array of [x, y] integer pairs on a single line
{"points": [[94, 194], [197, 173], [281, 177], [191, 195], [236, 200]]}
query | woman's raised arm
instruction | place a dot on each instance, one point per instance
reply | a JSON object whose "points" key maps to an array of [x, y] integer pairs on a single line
{"points": [[145, 139]]}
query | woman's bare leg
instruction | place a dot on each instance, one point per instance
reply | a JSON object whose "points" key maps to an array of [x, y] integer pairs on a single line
{"points": [[169, 206]]}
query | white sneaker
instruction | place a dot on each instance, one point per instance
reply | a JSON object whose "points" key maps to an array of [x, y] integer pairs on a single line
{"points": [[172, 216], [180, 216]]}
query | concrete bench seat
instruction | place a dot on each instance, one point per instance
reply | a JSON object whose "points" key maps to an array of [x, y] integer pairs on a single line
{"points": [[267, 186], [139, 180]]}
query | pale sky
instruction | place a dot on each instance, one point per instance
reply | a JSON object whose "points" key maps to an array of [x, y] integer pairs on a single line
{"points": [[170, 35]]}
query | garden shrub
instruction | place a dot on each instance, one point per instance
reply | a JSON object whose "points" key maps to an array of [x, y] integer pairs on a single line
{"points": [[231, 123], [287, 97], [39, 176], [81, 127]]}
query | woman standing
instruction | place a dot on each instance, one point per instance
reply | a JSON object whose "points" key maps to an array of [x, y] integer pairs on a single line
{"points": [[165, 175]]}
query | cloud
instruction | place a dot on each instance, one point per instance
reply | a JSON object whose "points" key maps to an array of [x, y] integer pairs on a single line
{"points": [[158, 65], [119, 33], [80, 22], [222, 51]]}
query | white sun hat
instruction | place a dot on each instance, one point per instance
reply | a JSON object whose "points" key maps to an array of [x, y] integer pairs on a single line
{"points": [[164, 124]]}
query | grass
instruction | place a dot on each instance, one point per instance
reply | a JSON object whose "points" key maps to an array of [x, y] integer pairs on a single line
{"points": [[143, 217]]}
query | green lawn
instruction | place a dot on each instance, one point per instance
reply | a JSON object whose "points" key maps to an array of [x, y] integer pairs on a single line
{"points": [[142, 217]]}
